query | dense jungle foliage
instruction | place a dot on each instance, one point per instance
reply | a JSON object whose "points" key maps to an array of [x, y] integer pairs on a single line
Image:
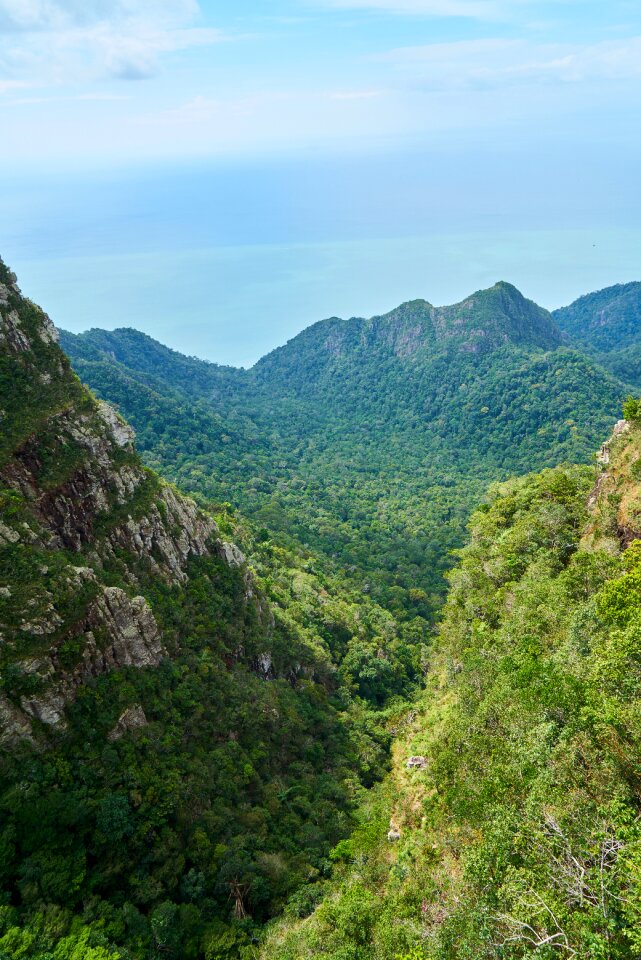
{"points": [[519, 833], [369, 441], [264, 722], [606, 324], [235, 791], [265, 809]]}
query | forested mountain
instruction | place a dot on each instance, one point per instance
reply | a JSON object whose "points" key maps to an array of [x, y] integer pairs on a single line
{"points": [[194, 740], [608, 325], [368, 440], [183, 735], [511, 825]]}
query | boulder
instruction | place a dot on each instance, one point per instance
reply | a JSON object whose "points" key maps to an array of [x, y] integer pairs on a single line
{"points": [[133, 718], [416, 763]]}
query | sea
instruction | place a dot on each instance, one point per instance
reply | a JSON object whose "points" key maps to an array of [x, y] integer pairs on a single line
{"points": [[228, 261]]}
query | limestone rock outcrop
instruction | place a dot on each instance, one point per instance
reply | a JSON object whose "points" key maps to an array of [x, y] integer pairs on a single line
{"points": [[72, 483], [133, 718]]}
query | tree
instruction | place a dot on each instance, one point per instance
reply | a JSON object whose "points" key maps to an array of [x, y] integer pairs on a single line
{"points": [[632, 409]]}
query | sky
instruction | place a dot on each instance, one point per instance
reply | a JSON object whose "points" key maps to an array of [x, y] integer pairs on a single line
{"points": [[222, 174]]}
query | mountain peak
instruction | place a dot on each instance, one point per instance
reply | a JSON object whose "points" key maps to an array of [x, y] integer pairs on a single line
{"points": [[505, 286], [485, 321], [496, 316]]}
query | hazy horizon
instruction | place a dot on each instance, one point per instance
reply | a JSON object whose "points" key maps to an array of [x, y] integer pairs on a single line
{"points": [[218, 333], [222, 177]]}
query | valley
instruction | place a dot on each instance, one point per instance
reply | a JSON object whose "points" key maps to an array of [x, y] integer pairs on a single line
{"points": [[367, 441], [225, 631]]}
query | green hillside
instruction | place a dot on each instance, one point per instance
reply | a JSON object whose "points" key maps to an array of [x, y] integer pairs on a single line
{"points": [[204, 752], [607, 320], [367, 440], [608, 325], [184, 733], [515, 830]]}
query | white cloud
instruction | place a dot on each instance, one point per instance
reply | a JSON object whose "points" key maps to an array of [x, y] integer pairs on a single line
{"points": [[492, 63], [9, 86], [79, 98], [64, 14], [487, 10], [270, 119], [354, 94], [435, 93], [90, 39], [477, 9]]}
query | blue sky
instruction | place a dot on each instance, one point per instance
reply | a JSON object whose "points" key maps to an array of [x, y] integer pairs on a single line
{"points": [[131, 80], [333, 155]]}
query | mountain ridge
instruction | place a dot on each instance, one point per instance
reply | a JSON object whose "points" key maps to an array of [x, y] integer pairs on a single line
{"points": [[201, 727], [605, 319], [372, 431], [510, 300], [482, 322], [607, 324]]}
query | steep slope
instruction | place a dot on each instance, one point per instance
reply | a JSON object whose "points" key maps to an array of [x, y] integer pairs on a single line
{"points": [[608, 324], [479, 324], [511, 825], [414, 332], [72, 485], [606, 320], [500, 315], [181, 738], [368, 440]]}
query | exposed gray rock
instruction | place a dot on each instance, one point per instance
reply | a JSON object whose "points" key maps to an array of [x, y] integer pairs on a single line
{"points": [[115, 630], [7, 535], [47, 331], [231, 554], [14, 725], [133, 718], [265, 665], [82, 574], [621, 426], [12, 334], [48, 622], [122, 433], [134, 637], [38, 666], [48, 708], [68, 510], [603, 456], [134, 640], [166, 538]]}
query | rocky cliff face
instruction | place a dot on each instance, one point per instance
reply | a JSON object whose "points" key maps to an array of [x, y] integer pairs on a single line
{"points": [[615, 501], [84, 531]]}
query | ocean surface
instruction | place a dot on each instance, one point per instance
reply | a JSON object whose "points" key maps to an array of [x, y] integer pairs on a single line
{"points": [[226, 265]]}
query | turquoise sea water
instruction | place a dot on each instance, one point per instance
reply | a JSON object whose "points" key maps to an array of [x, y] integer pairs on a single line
{"points": [[228, 264]]}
